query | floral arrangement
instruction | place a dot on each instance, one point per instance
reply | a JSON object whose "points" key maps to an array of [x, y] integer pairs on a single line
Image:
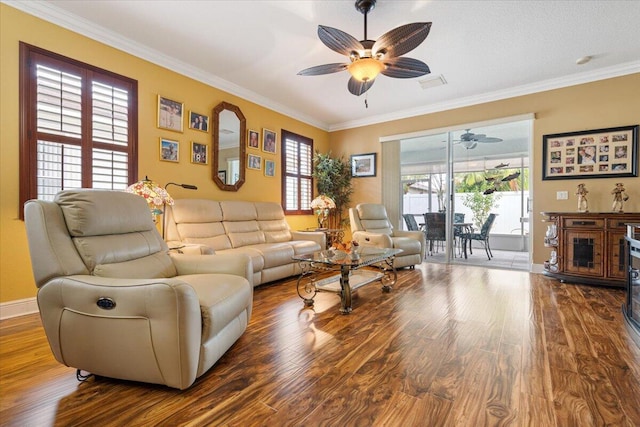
{"points": [[347, 247]]}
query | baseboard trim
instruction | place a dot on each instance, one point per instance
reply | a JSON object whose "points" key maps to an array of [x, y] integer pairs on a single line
{"points": [[537, 268], [18, 308]]}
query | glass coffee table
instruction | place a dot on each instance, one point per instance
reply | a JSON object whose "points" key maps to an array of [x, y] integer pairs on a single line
{"points": [[319, 268]]}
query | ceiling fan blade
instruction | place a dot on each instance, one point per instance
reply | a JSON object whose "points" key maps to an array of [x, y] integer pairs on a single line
{"points": [[323, 69], [357, 87], [405, 68], [488, 139], [477, 136], [402, 39], [338, 40]]}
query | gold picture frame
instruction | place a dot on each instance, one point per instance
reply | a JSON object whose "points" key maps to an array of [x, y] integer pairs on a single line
{"points": [[253, 139], [170, 114], [269, 168], [199, 153], [198, 121], [254, 162], [269, 141], [169, 150]]}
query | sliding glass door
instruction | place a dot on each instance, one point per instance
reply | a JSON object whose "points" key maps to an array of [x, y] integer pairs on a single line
{"points": [[461, 177]]}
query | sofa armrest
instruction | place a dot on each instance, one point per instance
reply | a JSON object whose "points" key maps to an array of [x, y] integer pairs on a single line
{"points": [[418, 235], [190, 248], [377, 240], [317, 236], [145, 330], [236, 264]]}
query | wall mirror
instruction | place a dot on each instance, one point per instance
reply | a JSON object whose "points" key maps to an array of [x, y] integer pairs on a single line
{"points": [[229, 133]]}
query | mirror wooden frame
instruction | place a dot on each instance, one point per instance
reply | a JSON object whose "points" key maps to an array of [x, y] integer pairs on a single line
{"points": [[216, 146]]}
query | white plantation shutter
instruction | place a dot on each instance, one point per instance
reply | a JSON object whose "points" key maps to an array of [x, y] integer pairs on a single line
{"points": [[58, 109], [297, 155], [79, 128]]}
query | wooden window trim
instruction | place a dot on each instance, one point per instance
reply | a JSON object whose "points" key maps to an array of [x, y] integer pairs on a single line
{"points": [[300, 139], [28, 139]]}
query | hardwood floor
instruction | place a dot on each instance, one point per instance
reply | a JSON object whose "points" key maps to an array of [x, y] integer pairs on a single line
{"points": [[449, 346]]}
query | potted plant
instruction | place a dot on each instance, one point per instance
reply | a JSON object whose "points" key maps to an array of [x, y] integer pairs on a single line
{"points": [[333, 179]]}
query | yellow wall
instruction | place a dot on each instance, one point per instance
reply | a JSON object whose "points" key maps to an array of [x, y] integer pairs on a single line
{"points": [[16, 281], [607, 103]]}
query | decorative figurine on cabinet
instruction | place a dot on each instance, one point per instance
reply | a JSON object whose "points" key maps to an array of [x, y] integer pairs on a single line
{"points": [[582, 192], [619, 197]]}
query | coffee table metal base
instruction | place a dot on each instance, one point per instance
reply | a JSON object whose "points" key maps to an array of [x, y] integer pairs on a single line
{"points": [[314, 279]]}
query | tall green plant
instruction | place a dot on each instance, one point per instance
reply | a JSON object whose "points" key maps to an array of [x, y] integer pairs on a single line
{"points": [[333, 178], [480, 205]]}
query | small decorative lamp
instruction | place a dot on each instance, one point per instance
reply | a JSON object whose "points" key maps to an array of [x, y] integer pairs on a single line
{"points": [[322, 204], [155, 195]]}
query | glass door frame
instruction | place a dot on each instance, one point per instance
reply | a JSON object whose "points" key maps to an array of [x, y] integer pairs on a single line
{"points": [[450, 174]]}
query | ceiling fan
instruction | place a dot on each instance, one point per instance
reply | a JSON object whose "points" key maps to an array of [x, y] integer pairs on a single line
{"points": [[470, 140], [372, 57]]}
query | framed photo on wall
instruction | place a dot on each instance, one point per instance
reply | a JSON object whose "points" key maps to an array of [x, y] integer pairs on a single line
{"points": [[253, 139], [269, 141], [254, 162], [269, 168], [598, 153], [169, 150], [199, 153], [198, 121], [363, 165], [170, 114]]}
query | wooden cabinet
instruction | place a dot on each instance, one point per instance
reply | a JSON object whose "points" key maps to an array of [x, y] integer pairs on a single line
{"points": [[587, 247]]}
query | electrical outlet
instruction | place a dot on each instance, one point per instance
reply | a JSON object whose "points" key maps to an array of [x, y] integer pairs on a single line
{"points": [[562, 195]]}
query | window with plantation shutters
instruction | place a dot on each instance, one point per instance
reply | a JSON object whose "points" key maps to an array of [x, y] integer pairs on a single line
{"points": [[78, 126], [297, 181]]}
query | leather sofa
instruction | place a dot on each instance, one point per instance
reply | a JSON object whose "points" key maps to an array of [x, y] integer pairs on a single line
{"points": [[116, 303], [257, 229], [370, 226]]}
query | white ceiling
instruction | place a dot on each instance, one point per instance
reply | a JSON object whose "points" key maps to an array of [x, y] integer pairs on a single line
{"points": [[485, 50]]}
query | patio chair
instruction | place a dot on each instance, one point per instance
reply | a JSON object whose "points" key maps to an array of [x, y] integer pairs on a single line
{"points": [[482, 237], [435, 229]]}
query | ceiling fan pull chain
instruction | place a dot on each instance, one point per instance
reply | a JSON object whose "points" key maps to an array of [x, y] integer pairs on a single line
{"points": [[366, 102]]}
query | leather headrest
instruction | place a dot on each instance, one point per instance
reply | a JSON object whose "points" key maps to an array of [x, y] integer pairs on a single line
{"points": [[90, 212]]}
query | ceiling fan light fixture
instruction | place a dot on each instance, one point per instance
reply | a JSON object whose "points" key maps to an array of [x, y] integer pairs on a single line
{"points": [[372, 57], [365, 69], [469, 145]]}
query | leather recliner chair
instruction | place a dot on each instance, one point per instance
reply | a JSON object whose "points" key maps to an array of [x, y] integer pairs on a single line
{"points": [[370, 226], [116, 303]]}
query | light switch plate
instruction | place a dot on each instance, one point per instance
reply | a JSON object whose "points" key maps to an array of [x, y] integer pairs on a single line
{"points": [[562, 195]]}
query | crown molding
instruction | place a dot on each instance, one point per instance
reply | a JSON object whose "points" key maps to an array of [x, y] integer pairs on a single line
{"points": [[52, 14], [541, 86]]}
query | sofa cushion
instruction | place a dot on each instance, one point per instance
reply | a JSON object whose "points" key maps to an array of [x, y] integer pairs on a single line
{"points": [[196, 211], [238, 211], [210, 234], [301, 247], [257, 260], [90, 213], [109, 243], [275, 254], [373, 218], [243, 233], [272, 222], [221, 297]]}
